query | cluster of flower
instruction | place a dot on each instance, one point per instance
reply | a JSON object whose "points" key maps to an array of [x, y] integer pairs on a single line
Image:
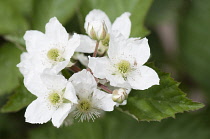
{"points": [[86, 94]]}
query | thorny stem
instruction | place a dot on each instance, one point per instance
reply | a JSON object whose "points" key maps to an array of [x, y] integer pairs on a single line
{"points": [[103, 87], [96, 49]]}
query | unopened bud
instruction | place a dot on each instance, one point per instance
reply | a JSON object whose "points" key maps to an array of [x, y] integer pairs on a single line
{"points": [[97, 30], [119, 95]]}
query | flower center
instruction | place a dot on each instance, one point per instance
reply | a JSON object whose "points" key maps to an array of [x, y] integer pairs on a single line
{"points": [[53, 54], [86, 111], [55, 98], [84, 105], [124, 66]]}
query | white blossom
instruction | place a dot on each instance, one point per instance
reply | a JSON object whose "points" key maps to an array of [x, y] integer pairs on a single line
{"points": [[51, 50], [124, 65], [54, 100], [91, 101], [122, 25]]}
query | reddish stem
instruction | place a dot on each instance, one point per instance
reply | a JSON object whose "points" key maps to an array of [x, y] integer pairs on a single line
{"points": [[105, 88], [74, 68], [96, 49]]}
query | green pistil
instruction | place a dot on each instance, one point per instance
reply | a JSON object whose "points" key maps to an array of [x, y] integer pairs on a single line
{"points": [[124, 67], [54, 98], [53, 54], [84, 105]]}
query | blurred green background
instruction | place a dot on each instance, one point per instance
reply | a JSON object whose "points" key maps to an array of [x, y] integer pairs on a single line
{"points": [[179, 38]]}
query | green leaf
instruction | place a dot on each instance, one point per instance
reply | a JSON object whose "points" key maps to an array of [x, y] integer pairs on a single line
{"points": [[114, 8], [159, 101], [20, 99], [12, 16], [46, 9], [9, 73], [195, 43]]}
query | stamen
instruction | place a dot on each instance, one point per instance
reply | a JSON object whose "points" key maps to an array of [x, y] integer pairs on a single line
{"points": [[124, 67], [55, 98], [85, 111], [53, 54]]}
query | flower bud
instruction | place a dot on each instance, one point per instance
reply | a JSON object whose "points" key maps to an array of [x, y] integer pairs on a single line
{"points": [[119, 95], [97, 30]]}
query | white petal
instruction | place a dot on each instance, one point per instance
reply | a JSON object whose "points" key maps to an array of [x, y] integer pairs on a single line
{"points": [[38, 112], [117, 44], [33, 62], [60, 114], [97, 15], [24, 64], [70, 93], [31, 71], [73, 44], [82, 59], [140, 49], [53, 81], [35, 40], [103, 100], [133, 49], [143, 78], [99, 66], [55, 31], [117, 81], [83, 83], [102, 68], [34, 84], [87, 45], [59, 66], [123, 24]]}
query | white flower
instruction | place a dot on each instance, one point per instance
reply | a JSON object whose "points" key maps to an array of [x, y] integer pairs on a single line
{"points": [[91, 101], [122, 25], [51, 50], [124, 65], [97, 30], [54, 101]]}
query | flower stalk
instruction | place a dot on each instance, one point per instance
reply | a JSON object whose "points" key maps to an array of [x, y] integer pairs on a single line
{"points": [[105, 88], [96, 49]]}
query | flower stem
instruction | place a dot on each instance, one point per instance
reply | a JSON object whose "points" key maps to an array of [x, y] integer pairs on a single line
{"points": [[74, 68], [105, 88], [96, 49]]}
